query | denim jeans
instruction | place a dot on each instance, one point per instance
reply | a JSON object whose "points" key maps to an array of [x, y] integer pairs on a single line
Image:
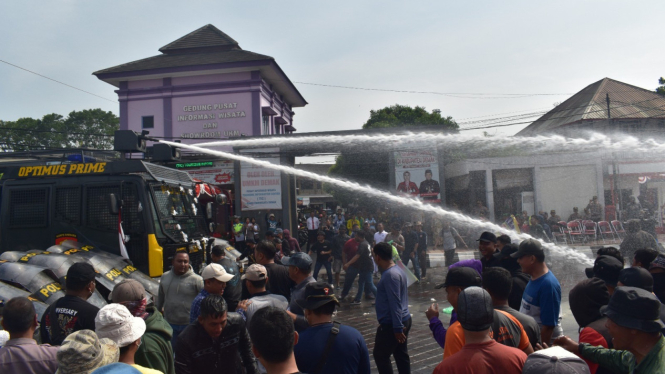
{"points": [[386, 345], [365, 280], [177, 329], [416, 264], [350, 277], [328, 266]]}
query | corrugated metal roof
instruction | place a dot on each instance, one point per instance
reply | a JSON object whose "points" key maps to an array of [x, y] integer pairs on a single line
{"points": [[626, 101]]}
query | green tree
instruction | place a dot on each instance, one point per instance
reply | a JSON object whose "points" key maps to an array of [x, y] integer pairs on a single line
{"points": [[371, 167], [404, 115], [92, 128], [661, 88]]}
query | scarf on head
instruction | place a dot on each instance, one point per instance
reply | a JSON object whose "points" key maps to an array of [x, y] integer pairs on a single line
{"points": [[137, 308]]}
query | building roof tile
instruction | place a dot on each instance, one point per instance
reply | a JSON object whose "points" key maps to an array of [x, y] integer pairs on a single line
{"points": [[204, 37], [626, 101]]}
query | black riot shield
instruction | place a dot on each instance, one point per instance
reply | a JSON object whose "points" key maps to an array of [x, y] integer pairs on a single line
{"points": [[40, 281], [110, 266], [8, 292]]}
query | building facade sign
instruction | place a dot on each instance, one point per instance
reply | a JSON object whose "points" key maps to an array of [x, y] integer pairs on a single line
{"points": [[221, 172], [261, 188], [212, 116], [417, 174]]}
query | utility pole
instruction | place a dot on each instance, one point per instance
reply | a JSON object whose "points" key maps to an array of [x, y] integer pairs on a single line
{"points": [[615, 169]]}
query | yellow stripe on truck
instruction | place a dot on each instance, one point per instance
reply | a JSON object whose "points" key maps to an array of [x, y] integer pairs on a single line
{"points": [[155, 257]]}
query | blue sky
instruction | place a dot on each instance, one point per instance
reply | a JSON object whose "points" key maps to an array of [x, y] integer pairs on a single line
{"points": [[489, 47]]}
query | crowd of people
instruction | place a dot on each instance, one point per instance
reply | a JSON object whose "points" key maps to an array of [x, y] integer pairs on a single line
{"points": [[271, 314]]}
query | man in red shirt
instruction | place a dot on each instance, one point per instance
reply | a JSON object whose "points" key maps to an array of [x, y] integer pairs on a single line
{"points": [[481, 353], [407, 186]]}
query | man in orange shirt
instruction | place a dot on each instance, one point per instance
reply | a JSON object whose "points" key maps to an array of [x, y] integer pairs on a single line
{"points": [[480, 353], [504, 329]]}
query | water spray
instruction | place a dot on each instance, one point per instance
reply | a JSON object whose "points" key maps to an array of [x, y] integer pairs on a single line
{"points": [[551, 143], [385, 196]]}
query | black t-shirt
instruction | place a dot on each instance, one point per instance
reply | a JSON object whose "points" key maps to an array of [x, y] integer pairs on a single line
{"points": [[410, 241], [71, 314], [364, 257], [279, 282], [319, 247], [233, 290], [520, 281]]}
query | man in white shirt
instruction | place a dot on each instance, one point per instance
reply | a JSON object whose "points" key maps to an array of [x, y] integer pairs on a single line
{"points": [[380, 234], [312, 228]]}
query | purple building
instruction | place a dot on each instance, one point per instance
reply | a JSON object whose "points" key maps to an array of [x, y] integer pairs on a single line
{"points": [[204, 86]]}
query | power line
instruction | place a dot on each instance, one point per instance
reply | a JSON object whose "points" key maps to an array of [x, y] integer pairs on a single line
{"points": [[465, 95], [57, 81]]}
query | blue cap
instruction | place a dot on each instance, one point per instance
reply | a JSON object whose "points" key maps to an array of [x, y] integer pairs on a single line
{"points": [[300, 260]]}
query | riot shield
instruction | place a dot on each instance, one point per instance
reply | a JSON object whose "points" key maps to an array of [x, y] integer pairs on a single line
{"points": [[110, 266], [8, 292], [40, 281]]}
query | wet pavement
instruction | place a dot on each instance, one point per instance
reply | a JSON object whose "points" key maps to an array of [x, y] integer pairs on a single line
{"points": [[425, 353]]}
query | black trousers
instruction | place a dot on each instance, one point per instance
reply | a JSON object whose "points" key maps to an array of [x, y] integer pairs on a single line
{"points": [[386, 345]]}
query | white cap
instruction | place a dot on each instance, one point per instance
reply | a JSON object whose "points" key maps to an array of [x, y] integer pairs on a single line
{"points": [[216, 271], [115, 322]]}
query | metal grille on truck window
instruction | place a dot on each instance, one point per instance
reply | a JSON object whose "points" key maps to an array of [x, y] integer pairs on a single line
{"points": [[68, 204], [28, 207], [97, 207], [99, 215], [131, 217]]}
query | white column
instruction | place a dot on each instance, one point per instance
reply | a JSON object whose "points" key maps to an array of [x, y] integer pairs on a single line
{"points": [[489, 193]]}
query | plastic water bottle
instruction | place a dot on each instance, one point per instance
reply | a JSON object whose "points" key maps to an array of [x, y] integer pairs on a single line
{"points": [[448, 310]]}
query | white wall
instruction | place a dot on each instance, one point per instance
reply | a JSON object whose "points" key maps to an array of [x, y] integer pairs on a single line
{"points": [[563, 187]]}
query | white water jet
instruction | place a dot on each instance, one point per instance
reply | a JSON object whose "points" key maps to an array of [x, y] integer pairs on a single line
{"points": [[541, 143], [388, 197]]}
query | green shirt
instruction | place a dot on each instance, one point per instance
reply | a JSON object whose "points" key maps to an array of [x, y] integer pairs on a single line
{"points": [[624, 361]]}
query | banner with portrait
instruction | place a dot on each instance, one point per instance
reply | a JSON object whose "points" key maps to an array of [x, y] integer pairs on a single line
{"points": [[417, 174]]}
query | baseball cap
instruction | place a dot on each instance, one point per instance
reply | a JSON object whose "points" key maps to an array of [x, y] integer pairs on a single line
{"points": [[83, 351], [250, 240], [528, 247], [80, 274], [255, 272], [115, 322], [428, 171], [658, 262], [271, 215], [634, 308], [554, 360], [506, 251], [474, 309], [127, 290], [216, 271], [636, 277], [299, 259], [317, 294], [408, 224], [279, 231], [461, 277], [418, 223], [320, 233], [487, 237], [606, 268]]}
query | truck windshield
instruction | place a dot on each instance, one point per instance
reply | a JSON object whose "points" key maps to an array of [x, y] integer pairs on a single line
{"points": [[176, 207]]}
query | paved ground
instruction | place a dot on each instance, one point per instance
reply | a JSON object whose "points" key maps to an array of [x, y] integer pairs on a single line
{"points": [[424, 351]]}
